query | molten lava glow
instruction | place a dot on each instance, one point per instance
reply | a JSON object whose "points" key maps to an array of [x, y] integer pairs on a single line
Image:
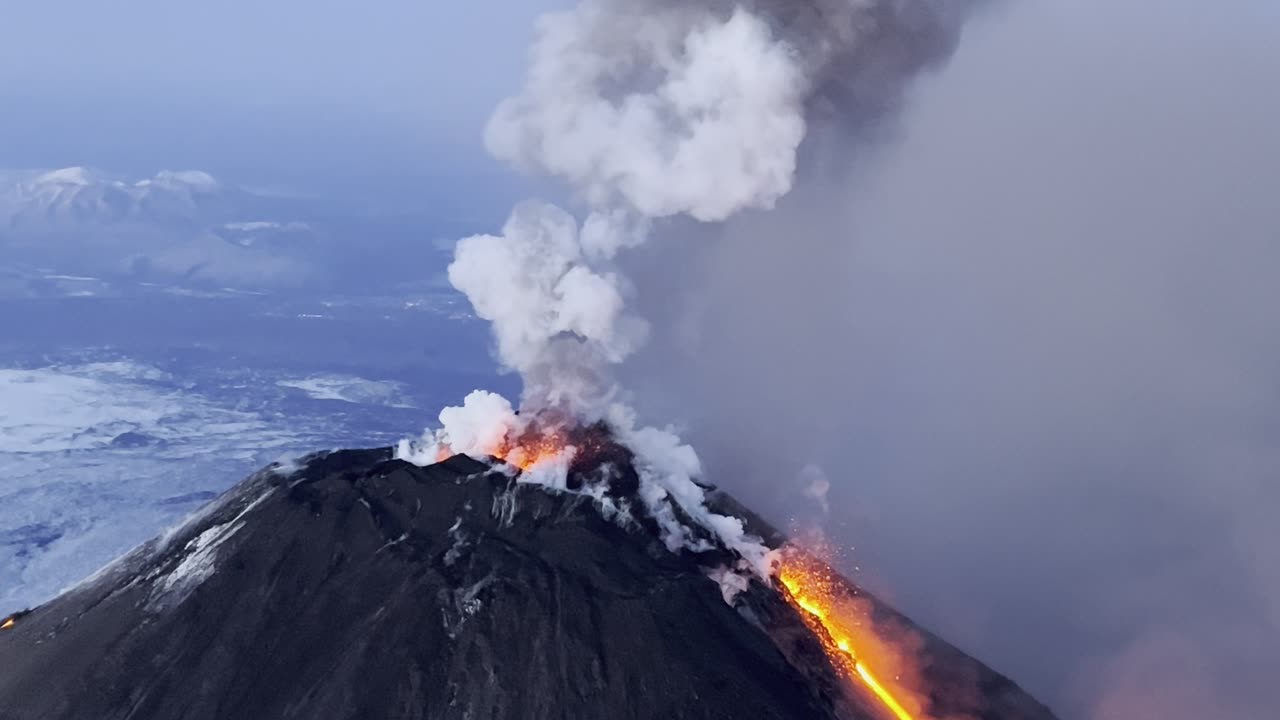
{"points": [[531, 451], [7, 624], [810, 588]]}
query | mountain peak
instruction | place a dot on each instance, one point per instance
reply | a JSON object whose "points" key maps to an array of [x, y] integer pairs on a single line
{"points": [[193, 179], [68, 176], [78, 196], [360, 586]]}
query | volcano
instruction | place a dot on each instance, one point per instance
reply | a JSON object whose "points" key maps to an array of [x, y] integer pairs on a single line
{"points": [[355, 585]]}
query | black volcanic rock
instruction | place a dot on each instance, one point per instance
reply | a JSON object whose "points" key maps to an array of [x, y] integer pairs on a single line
{"points": [[363, 587]]}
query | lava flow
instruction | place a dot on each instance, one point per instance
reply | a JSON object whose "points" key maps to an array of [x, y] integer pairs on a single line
{"points": [[7, 624], [810, 588]]}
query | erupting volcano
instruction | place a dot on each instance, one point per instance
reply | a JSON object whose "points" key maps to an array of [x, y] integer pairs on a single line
{"points": [[562, 559], [553, 439], [841, 621], [360, 586]]}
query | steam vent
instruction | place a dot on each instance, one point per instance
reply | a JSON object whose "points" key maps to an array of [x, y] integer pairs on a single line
{"points": [[361, 587]]}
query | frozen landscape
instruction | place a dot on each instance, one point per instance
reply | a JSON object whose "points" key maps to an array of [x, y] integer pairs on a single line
{"points": [[128, 401]]}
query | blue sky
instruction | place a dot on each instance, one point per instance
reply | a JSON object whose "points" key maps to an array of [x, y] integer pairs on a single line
{"points": [[290, 91]]}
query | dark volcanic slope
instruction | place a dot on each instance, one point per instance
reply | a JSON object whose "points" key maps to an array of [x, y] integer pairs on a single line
{"points": [[361, 587]]}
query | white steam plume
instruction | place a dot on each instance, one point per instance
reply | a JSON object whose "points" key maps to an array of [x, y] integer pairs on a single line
{"points": [[662, 109], [651, 109]]}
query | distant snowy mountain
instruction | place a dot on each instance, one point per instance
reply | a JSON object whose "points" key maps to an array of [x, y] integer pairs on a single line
{"points": [[174, 227], [75, 196], [87, 232]]}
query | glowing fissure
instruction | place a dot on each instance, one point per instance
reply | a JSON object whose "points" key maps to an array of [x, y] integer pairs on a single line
{"points": [[7, 624], [808, 589]]}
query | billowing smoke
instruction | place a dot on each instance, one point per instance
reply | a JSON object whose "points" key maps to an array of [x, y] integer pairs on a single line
{"points": [[659, 108], [1032, 342], [646, 110], [657, 114]]}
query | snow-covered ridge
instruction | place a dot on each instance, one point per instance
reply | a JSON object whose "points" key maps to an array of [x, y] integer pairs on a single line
{"points": [[185, 226], [259, 232], [191, 179], [77, 195], [350, 389], [258, 225], [66, 176]]}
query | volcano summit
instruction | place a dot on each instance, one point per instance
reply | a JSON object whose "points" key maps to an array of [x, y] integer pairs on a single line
{"points": [[361, 586]]}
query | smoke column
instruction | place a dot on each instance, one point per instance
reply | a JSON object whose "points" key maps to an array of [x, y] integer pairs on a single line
{"points": [[657, 114], [1032, 344]]}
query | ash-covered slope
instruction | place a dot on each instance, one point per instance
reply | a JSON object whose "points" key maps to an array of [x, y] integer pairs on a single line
{"points": [[364, 587]]}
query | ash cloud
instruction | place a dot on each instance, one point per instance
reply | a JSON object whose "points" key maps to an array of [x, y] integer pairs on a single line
{"points": [[664, 113], [656, 115], [1028, 331]]}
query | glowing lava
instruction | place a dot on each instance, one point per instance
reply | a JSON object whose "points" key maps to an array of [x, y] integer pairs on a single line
{"points": [[810, 589], [535, 448], [525, 441], [7, 624], [530, 450], [549, 441]]}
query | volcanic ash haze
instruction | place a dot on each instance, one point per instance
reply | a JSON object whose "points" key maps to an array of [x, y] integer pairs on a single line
{"points": [[1041, 321]]}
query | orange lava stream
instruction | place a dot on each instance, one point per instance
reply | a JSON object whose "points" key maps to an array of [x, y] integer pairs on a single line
{"points": [[7, 624], [808, 590]]}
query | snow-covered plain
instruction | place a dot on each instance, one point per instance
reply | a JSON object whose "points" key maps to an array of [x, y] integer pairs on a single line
{"points": [[96, 458], [119, 417], [163, 337]]}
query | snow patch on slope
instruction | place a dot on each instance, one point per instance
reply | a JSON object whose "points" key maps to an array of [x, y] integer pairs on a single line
{"points": [[198, 564], [68, 176], [200, 556]]}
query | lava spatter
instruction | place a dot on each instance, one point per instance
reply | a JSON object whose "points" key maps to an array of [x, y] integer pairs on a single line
{"points": [[846, 635]]}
